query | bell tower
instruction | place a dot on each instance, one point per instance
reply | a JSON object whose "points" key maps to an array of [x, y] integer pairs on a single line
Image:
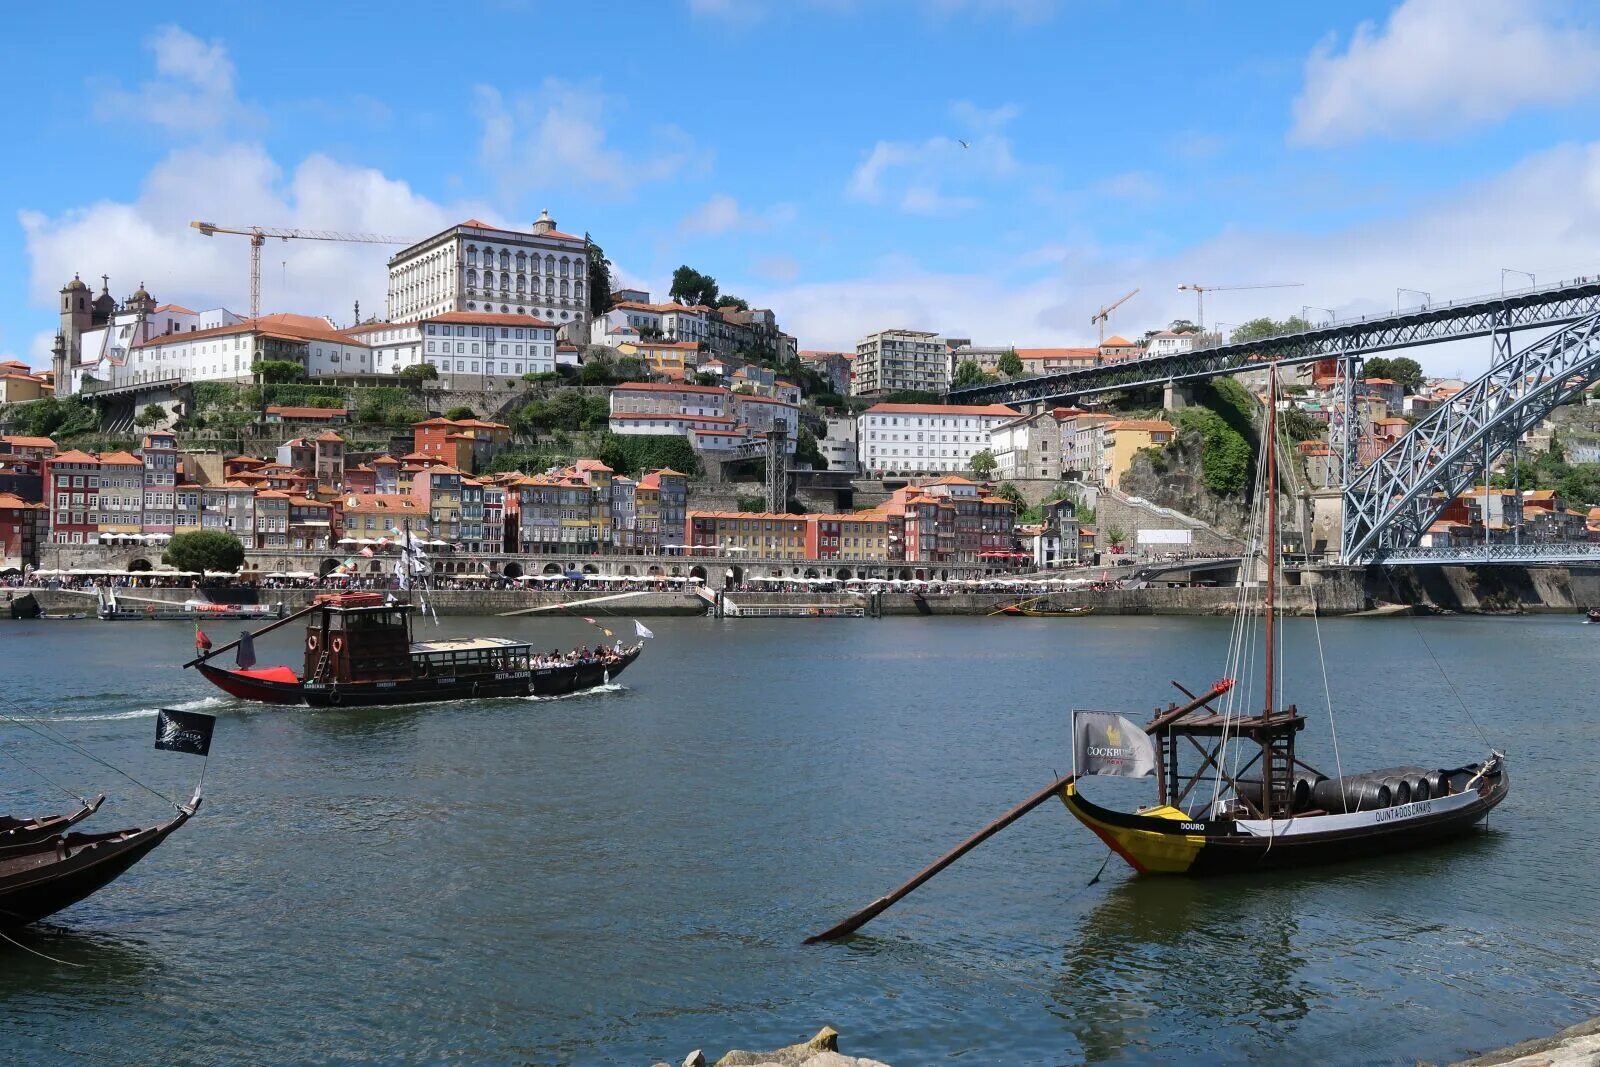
{"points": [[77, 316]]}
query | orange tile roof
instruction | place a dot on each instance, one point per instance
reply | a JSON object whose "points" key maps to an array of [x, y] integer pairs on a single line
{"points": [[653, 387], [1153, 425], [121, 458], [488, 318], [289, 412], [74, 456], [28, 442]]}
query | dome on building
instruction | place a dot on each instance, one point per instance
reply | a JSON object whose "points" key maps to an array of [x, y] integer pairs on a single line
{"points": [[139, 295], [75, 284]]}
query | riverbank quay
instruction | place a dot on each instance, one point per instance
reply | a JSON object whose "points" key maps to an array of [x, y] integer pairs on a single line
{"points": [[1576, 1046], [1327, 599]]}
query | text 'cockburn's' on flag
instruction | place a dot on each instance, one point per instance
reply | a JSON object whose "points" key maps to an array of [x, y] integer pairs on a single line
{"points": [[184, 731], [1104, 742]]}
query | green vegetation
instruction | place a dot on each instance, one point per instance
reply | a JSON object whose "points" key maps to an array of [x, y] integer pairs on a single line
{"points": [[1115, 536], [1299, 426], [298, 396], [1402, 369], [419, 373], [204, 550], [388, 406], [51, 417], [595, 372], [1010, 363], [983, 464], [726, 299], [599, 279], [807, 451], [752, 503], [461, 411], [276, 371], [1266, 327], [528, 460], [630, 369], [542, 376], [691, 287], [152, 415], [566, 409], [641, 453], [912, 396], [1578, 483], [1225, 456], [969, 373], [1085, 515]]}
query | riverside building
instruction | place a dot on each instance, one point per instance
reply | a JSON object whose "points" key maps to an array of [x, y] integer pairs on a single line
{"points": [[926, 438], [892, 361]]}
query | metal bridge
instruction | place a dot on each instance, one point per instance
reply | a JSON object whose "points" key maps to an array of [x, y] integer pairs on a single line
{"points": [[1484, 316], [1390, 505]]}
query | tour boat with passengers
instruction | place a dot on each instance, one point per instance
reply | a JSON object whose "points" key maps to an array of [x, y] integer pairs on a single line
{"points": [[359, 651]]}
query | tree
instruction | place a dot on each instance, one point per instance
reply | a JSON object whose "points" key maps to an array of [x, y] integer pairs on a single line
{"points": [[599, 279], [983, 464], [1115, 536], [969, 373], [1401, 369], [806, 450], [1007, 491], [1084, 514], [204, 550], [1182, 326], [691, 287], [595, 372], [728, 299], [1267, 327], [152, 415], [1010, 363], [461, 411], [278, 371], [418, 373], [631, 369]]}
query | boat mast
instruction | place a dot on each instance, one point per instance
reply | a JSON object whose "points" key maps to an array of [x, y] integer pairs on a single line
{"points": [[1271, 448]]}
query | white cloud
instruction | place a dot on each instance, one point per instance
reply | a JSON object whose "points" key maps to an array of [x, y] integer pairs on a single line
{"points": [[555, 138], [193, 91], [1441, 66], [913, 175], [1542, 215], [148, 240], [722, 214]]}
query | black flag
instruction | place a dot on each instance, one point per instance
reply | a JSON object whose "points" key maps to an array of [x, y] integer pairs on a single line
{"points": [[246, 656], [184, 731]]}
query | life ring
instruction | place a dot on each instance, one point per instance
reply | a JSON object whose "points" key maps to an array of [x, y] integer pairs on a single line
{"points": [[149, 609], [422, 669], [334, 696], [337, 645], [311, 642]]}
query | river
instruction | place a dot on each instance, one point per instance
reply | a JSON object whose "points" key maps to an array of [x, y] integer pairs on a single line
{"points": [[625, 875]]}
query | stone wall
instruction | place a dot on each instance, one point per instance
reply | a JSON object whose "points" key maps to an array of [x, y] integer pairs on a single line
{"points": [[1115, 511]]}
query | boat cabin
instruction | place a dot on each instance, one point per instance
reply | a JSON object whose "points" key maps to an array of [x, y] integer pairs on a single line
{"points": [[1192, 747], [358, 641]]}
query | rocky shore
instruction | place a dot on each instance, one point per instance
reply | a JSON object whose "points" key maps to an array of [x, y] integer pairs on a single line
{"points": [[1576, 1046], [820, 1051]]}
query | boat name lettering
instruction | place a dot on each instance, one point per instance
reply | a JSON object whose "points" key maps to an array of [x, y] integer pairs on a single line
{"points": [[1193, 827], [511, 674], [1421, 807]]}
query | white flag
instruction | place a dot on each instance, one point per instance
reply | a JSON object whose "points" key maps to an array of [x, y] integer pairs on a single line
{"points": [[1104, 742], [642, 629]]}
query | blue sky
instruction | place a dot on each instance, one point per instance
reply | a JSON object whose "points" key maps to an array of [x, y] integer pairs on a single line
{"points": [[805, 151]]}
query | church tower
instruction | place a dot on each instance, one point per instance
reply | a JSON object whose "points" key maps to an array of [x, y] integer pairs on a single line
{"points": [[77, 316]]}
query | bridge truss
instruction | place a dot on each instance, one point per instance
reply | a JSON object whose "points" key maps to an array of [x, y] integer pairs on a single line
{"points": [[1391, 504], [1489, 316]]}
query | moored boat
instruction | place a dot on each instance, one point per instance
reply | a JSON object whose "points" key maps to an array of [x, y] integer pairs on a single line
{"points": [[1025, 611], [359, 652], [15, 831]]}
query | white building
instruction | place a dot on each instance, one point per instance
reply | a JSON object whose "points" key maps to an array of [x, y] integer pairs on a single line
{"points": [[466, 347], [838, 445], [925, 438], [1167, 343], [107, 347], [477, 267], [892, 361], [1028, 447], [130, 352]]}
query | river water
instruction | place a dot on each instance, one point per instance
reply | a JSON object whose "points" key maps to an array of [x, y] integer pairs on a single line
{"points": [[626, 875]]}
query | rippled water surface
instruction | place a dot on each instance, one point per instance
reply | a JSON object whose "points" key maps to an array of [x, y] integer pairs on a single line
{"points": [[625, 875]]}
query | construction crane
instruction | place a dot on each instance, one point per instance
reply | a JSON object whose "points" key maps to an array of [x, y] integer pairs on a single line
{"points": [[1200, 292], [258, 236], [1105, 313]]}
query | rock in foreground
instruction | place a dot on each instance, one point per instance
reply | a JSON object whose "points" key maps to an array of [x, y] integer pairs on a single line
{"points": [[820, 1051]]}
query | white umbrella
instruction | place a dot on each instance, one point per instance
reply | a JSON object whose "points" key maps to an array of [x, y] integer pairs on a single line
{"points": [[348, 541]]}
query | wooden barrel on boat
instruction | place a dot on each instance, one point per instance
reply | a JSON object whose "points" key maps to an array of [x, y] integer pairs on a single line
{"points": [[1438, 783], [1399, 789], [1352, 793], [1420, 789]]}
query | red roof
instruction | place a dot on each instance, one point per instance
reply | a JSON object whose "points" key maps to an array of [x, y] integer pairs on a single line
{"points": [[653, 387], [484, 318], [287, 412]]}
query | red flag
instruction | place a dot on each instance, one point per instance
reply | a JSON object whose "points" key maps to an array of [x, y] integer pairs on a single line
{"points": [[367, 552], [202, 643]]}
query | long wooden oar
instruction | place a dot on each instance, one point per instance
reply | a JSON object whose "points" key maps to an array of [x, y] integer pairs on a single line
{"points": [[884, 903], [286, 620]]}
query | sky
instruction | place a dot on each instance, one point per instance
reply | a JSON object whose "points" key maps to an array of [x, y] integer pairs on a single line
{"points": [[809, 153]]}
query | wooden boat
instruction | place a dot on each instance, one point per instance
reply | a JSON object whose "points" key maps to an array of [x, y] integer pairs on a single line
{"points": [[1592, 615], [14, 831], [359, 652], [1022, 610], [43, 877], [1224, 810]]}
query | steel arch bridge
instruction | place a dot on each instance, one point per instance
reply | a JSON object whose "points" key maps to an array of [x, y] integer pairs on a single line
{"points": [[1391, 504]]}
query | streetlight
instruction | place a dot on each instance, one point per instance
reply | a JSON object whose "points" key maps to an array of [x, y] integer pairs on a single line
{"points": [[1220, 324], [1307, 309], [1532, 282], [1427, 298]]}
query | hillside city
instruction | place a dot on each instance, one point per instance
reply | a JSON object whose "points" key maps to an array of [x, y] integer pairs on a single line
{"points": [[512, 403]]}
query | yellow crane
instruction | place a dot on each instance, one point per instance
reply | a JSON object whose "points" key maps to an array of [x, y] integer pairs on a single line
{"points": [[1105, 313], [258, 236], [1200, 292]]}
